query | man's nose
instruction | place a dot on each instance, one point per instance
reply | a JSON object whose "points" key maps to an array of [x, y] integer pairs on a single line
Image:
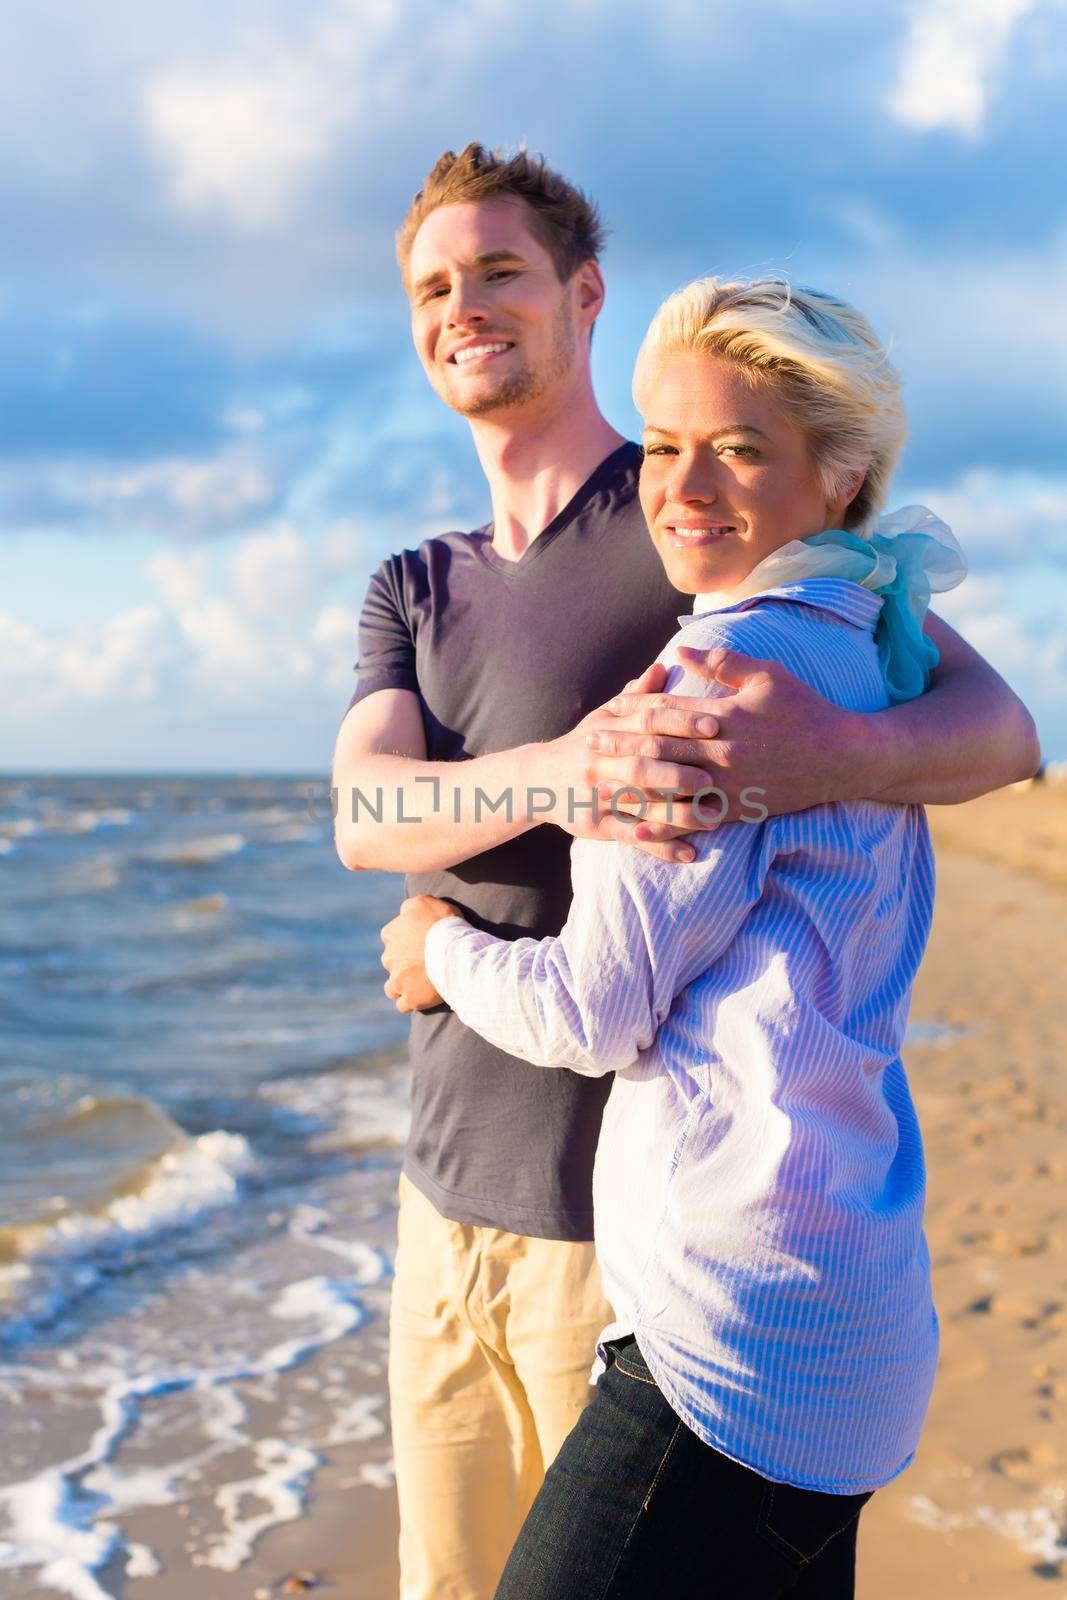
{"points": [[465, 306]]}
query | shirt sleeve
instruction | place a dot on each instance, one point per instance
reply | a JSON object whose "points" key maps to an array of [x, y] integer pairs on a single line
{"points": [[639, 931], [386, 644]]}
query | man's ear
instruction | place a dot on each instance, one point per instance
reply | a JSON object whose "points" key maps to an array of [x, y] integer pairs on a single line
{"points": [[589, 287]]}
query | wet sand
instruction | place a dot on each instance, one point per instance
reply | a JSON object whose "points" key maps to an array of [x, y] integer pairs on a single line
{"points": [[983, 1511]]}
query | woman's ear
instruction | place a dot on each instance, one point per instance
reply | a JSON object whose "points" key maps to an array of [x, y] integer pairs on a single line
{"points": [[849, 490]]}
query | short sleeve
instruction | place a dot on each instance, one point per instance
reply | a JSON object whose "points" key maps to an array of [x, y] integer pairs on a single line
{"points": [[386, 646]]}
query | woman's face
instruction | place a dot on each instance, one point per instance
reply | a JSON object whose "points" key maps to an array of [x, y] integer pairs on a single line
{"points": [[727, 478]]}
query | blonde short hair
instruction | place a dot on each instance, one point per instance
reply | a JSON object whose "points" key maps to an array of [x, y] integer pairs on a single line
{"points": [[821, 358]]}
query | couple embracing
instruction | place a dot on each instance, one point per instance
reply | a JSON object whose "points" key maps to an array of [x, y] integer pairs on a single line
{"points": [[702, 999]]}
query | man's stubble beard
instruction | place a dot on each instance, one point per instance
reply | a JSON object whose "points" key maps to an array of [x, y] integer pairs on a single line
{"points": [[526, 384]]}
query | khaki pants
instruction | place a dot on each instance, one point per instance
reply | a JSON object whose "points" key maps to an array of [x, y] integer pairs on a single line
{"points": [[491, 1339]]}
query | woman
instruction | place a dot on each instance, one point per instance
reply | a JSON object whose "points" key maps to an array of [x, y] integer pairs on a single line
{"points": [[759, 1182]]}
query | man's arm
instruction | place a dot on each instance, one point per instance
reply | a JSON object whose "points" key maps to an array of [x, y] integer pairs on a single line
{"points": [[398, 812], [969, 734]]}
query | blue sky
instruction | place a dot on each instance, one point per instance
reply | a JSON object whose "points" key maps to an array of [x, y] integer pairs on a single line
{"points": [[212, 423]]}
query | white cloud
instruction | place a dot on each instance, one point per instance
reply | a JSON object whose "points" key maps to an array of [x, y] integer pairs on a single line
{"points": [[26, 657], [274, 574], [179, 577], [226, 649], [227, 487], [343, 545], [239, 142], [1004, 519], [186, 495], [334, 633], [953, 51], [117, 661], [1011, 605], [1030, 652], [245, 137], [258, 631], [122, 661]]}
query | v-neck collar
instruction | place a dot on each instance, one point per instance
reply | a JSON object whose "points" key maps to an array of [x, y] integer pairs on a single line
{"points": [[598, 479]]}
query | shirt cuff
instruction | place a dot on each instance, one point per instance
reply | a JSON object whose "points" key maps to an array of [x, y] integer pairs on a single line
{"points": [[440, 939]]}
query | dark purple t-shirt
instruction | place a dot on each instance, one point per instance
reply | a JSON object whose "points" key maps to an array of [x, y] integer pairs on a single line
{"points": [[502, 653]]}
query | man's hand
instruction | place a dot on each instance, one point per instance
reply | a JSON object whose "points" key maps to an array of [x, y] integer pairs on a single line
{"points": [[404, 944], [571, 770], [780, 746]]}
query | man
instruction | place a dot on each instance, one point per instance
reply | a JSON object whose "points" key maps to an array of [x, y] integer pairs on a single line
{"points": [[485, 659]]}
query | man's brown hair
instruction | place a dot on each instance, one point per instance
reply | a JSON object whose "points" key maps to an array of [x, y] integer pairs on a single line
{"points": [[564, 219]]}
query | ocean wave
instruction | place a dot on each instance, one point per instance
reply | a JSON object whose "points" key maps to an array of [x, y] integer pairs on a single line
{"points": [[61, 1262], [70, 821], [85, 877], [192, 965], [358, 1108], [194, 913], [60, 1520], [200, 852], [291, 833], [73, 1151], [18, 828]]}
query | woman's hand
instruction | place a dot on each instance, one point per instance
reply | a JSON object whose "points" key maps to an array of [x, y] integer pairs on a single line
{"points": [[404, 944]]}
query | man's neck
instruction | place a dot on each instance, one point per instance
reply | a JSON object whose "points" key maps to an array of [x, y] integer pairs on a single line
{"points": [[535, 464]]}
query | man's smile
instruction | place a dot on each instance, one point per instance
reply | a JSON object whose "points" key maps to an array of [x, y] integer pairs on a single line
{"points": [[478, 352]]}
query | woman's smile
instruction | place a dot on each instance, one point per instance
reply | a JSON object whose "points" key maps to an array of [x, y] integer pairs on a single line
{"points": [[727, 477]]}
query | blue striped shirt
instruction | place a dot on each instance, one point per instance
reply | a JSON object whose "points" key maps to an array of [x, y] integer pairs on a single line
{"points": [[759, 1181]]}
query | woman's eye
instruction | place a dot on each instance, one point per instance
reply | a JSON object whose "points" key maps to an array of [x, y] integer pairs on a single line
{"points": [[660, 450], [743, 450]]}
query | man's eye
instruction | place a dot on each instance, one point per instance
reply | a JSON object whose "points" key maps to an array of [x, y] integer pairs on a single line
{"points": [[660, 450], [501, 272]]}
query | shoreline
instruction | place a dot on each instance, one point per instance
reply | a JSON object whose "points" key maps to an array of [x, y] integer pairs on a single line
{"points": [[983, 1510]]}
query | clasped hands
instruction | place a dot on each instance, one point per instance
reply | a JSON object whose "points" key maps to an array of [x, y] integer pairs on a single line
{"points": [[404, 951], [769, 743]]}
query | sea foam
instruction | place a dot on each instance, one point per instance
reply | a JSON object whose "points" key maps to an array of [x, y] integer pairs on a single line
{"points": [[58, 1521], [62, 1261]]}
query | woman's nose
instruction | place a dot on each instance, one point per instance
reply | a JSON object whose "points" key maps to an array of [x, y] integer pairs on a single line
{"points": [[692, 482]]}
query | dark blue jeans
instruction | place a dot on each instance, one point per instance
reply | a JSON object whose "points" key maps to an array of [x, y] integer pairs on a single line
{"points": [[636, 1506]]}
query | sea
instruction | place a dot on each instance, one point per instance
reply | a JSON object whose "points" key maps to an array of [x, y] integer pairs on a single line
{"points": [[204, 1099]]}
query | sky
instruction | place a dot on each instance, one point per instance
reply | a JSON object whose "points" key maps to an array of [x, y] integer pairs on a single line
{"points": [[213, 425]]}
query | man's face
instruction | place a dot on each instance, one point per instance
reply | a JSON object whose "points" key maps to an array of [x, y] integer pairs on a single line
{"points": [[494, 327]]}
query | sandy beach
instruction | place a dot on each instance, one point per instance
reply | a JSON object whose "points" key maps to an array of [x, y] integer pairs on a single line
{"points": [[982, 1511]]}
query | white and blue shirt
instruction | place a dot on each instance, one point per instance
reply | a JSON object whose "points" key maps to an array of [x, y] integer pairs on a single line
{"points": [[759, 1181]]}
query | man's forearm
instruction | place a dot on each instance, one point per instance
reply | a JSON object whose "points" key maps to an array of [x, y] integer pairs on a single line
{"points": [[969, 734], [397, 814]]}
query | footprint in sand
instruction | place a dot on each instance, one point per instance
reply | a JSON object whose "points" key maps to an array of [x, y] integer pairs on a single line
{"points": [[1025, 1464], [1013, 1245]]}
